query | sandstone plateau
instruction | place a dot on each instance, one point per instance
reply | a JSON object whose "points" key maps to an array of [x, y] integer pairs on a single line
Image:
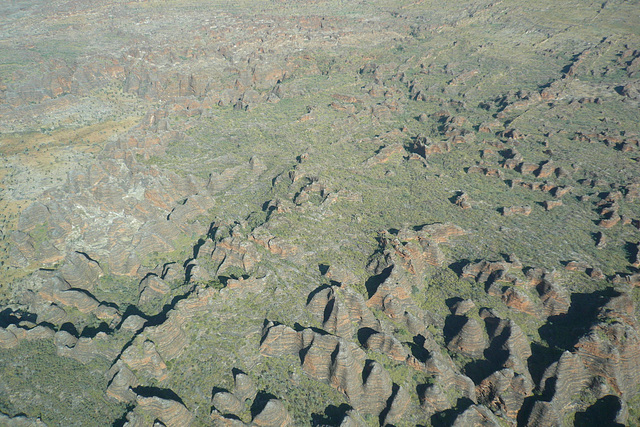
{"points": [[280, 213]]}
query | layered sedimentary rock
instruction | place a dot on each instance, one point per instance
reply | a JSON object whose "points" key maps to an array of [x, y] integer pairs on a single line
{"points": [[234, 251], [152, 288], [433, 399], [554, 299], [504, 392], [244, 387], [402, 262], [274, 414], [330, 305], [611, 348], [387, 344], [227, 403], [169, 337], [543, 414], [80, 271], [7, 339], [469, 340], [142, 356], [170, 412], [516, 210], [121, 383], [476, 415], [333, 360]]}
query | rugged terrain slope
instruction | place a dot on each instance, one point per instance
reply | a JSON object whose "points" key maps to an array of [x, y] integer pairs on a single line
{"points": [[319, 213]]}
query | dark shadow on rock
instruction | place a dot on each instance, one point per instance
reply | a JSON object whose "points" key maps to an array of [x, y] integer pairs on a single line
{"points": [[161, 317], [453, 199], [131, 310], [450, 302], [264, 325], [631, 251], [165, 269], [447, 418], [156, 320], [216, 390], [317, 290], [567, 67], [92, 331], [236, 371], [261, 400], [197, 246], [374, 282], [602, 413], [563, 331], [87, 257], [368, 367], [540, 359], [120, 422], [480, 369], [417, 348], [394, 392], [333, 416], [163, 393], [299, 328], [11, 317], [213, 230], [70, 328], [328, 309], [452, 325], [303, 353], [421, 389], [323, 268], [364, 334], [525, 410], [188, 267]]}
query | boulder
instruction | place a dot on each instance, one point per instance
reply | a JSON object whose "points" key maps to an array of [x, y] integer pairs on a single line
{"points": [[7, 339], [227, 403], [245, 388]]}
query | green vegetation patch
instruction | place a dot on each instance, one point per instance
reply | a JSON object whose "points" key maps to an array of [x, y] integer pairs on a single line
{"points": [[61, 391]]}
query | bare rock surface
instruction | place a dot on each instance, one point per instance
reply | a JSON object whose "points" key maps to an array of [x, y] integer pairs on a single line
{"points": [[395, 213]]}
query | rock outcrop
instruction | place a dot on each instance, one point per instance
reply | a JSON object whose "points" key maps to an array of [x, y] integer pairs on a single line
{"points": [[469, 339], [331, 359], [273, 414], [169, 412]]}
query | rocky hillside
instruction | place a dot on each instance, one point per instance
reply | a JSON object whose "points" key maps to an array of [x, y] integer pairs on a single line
{"points": [[322, 213]]}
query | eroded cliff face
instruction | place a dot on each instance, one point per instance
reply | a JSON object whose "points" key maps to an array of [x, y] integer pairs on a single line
{"points": [[354, 214]]}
